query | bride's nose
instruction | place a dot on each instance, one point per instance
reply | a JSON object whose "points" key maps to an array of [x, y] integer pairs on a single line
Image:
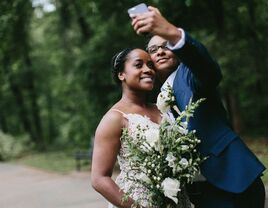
{"points": [[147, 69]]}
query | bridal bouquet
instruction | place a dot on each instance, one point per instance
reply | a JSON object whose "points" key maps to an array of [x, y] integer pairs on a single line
{"points": [[164, 158]]}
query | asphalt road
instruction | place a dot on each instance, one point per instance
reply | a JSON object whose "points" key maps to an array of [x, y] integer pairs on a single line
{"points": [[25, 187]]}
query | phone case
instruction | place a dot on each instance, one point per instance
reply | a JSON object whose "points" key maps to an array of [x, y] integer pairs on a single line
{"points": [[138, 9]]}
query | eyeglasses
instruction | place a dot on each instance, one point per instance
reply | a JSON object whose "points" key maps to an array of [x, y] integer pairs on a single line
{"points": [[154, 48]]}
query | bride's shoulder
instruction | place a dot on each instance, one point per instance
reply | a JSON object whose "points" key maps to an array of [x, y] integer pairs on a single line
{"points": [[110, 124], [114, 116]]}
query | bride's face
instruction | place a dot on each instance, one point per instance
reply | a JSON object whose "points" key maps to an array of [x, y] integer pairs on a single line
{"points": [[139, 73]]}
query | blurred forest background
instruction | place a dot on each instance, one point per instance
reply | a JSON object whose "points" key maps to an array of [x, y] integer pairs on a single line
{"points": [[55, 80]]}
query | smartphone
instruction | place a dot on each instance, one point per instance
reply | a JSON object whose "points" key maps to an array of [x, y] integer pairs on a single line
{"points": [[138, 9]]}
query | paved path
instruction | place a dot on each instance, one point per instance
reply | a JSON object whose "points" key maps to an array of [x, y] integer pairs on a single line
{"points": [[24, 187]]}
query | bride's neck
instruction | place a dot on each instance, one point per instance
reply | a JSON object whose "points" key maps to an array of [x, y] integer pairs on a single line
{"points": [[135, 99]]}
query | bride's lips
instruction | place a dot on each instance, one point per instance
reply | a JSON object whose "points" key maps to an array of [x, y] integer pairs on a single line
{"points": [[147, 78]]}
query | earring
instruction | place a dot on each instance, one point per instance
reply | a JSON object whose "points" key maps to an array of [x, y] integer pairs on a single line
{"points": [[121, 77]]}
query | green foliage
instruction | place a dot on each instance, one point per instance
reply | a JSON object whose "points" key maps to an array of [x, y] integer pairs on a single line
{"points": [[11, 147], [61, 161], [55, 80]]}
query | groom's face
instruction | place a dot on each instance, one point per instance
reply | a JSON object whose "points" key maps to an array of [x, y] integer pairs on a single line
{"points": [[164, 59]]}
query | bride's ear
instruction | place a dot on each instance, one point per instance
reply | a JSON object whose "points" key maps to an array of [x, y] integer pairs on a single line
{"points": [[121, 76]]}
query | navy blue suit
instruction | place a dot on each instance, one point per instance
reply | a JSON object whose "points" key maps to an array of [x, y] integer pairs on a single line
{"points": [[231, 166]]}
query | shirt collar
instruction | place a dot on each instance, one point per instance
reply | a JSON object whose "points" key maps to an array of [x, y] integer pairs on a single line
{"points": [[170, 79]]}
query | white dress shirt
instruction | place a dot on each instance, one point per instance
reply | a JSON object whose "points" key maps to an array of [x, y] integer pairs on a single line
{"points": [[178, 45]]}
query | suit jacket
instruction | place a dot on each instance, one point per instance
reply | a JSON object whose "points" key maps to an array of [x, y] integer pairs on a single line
{"points": [[230, 166]]}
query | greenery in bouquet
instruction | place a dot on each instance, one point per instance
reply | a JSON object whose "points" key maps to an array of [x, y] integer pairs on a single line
{"points": [[164, 159]]}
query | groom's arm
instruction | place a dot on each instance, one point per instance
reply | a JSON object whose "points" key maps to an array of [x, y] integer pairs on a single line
{"points": [[195, 56]]}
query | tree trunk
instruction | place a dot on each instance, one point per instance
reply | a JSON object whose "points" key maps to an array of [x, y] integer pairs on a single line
{"points": [[3, 122], [234, 112], [16, 91], [255, 46], [84, 27], [258, 56], [35, 111], [218, 10], [52, 131]]}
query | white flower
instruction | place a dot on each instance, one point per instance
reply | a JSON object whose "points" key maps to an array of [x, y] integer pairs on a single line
{"points": [[184, 124], [171, 159], [179, 140], [162, 101], [171, 188], [143, 177], [168, 117], [184, 162], [184, 147], [178, 169], [152, 136], [183, 130]]}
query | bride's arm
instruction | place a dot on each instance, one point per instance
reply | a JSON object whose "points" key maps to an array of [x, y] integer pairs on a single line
{"points": [[106, 147]]}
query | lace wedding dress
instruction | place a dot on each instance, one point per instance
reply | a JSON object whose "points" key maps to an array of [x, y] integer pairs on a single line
{"points": [[139, 192]]}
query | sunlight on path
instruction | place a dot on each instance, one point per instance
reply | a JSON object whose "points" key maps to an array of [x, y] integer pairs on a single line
{"points": [[24, 187]]}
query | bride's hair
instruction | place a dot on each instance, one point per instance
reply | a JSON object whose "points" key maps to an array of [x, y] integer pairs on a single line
{"points": [[118, 63]]}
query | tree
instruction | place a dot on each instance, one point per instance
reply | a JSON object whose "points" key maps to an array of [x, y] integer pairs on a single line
{"points": [[55, 73]]}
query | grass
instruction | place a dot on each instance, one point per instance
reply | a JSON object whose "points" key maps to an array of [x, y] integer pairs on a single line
{"points": [[260, 147], [56, 161], [264, 160], [62, 161]]}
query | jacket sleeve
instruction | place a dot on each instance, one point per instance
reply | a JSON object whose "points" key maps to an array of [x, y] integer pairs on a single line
{"points": [[206, 72]]}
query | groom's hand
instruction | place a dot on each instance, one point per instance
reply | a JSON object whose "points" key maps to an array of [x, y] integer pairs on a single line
{"points": [[154, 23]]}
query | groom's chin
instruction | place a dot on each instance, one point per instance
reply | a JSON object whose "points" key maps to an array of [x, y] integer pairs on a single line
{"points": [[163, 67], [164, 70]]}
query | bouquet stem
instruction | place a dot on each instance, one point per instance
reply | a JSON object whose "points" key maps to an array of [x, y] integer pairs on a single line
{"points": [[176, 109]]}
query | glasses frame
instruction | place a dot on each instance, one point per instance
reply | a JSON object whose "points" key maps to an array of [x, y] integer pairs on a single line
{"points": [[163, 46]]}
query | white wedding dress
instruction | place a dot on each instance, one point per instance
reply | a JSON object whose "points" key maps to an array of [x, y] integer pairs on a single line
{"points": [[140, 192]]}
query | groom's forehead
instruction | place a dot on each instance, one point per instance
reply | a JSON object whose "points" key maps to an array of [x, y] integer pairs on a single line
{"points": [[156, 40]]}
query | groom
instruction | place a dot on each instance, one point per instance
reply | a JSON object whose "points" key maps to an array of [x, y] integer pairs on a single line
{"points": [[231, 174]]}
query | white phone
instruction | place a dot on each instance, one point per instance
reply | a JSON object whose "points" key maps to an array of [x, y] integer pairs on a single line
{"points": [[138, 9]]}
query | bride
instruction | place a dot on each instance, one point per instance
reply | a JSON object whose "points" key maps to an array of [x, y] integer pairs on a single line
{"points": [[133, 69]]}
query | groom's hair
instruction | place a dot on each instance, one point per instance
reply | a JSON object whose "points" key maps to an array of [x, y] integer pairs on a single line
{"points": [[118, 63]]}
